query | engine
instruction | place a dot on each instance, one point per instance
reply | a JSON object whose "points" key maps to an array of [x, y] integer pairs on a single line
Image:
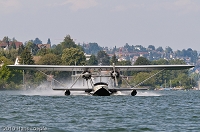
{"points": [[113, 74], [86, 75]]}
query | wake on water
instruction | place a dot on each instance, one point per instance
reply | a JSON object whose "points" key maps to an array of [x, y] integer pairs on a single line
{"points": [[50, 92], [45, 90]]}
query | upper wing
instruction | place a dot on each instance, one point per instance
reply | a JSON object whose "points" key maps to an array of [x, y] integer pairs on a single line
{"points": [[101, 68]]}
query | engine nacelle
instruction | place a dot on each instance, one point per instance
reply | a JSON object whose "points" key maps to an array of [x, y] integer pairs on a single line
{"points": [[113, 74], [67, 93], [86, 75], [134, 92]]}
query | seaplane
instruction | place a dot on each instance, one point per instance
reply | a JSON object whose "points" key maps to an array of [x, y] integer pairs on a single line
{"points": [[101, 88]]}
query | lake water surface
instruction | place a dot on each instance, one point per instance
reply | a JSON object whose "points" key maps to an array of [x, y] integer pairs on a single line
{"points": [[50, 111]]}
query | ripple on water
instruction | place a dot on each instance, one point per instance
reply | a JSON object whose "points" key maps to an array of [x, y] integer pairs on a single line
{"points": [[170, 111]]}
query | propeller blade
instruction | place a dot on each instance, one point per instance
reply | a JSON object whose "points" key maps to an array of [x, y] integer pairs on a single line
{"points": [[115, 75]]}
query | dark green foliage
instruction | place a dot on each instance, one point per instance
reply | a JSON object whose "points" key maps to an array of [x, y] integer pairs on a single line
{"points": [[160, 62], [21, 49], [6, 39], [68, 42], [8, 76], [168, 50], [13, 45], [2, 84], [32, 47], [159, 49], [57, 49], [140, 48], [73, 56], [50, 59], [124, 63], [92, 48], [103, 58], [26, 57], [48, 41], [43, 51], [114, 60], [151, 47], [92, 61], [167, 78], [37, 41], [142, 61]]}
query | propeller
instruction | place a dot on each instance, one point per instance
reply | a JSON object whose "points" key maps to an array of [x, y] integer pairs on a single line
{"points": [[115, 74], [86, 75]]}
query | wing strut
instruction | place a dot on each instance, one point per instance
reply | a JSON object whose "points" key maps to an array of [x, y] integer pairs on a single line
{"points": [[52, 78], [126, 82], [76, 80], [149, 78]]}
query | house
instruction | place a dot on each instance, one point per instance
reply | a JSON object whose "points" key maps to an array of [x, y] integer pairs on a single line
{"points": [[44, 46], [87, 56], [6, 45]]}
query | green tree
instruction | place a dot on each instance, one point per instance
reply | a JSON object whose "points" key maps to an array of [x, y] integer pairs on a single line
{"points": [[68, 42], [182, 81], [5, 73], [57, 49], [32, 47], [6, 39], [37, 41], [43, 51], [38, 78], [152, 47], [92, 48], [50, 59], [13, 45], [168, 50], [21, 49], [103, 58], [26, 57], [48, 41], [140, 77], [13, 54], [142, 61], [164, 76], [124, 63], [93, 60], [159, 49], [160, 62], [72, 56], [114, 60], [8, 76]]}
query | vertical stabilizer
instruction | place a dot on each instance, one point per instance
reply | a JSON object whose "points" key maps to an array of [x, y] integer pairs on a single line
{"points": [[17, 61]]}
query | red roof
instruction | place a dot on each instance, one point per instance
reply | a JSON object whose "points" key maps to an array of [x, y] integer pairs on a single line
{"points": [[4, 44]]}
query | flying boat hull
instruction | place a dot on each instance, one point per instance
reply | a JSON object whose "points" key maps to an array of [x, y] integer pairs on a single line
{"points": [[101, 89]]}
